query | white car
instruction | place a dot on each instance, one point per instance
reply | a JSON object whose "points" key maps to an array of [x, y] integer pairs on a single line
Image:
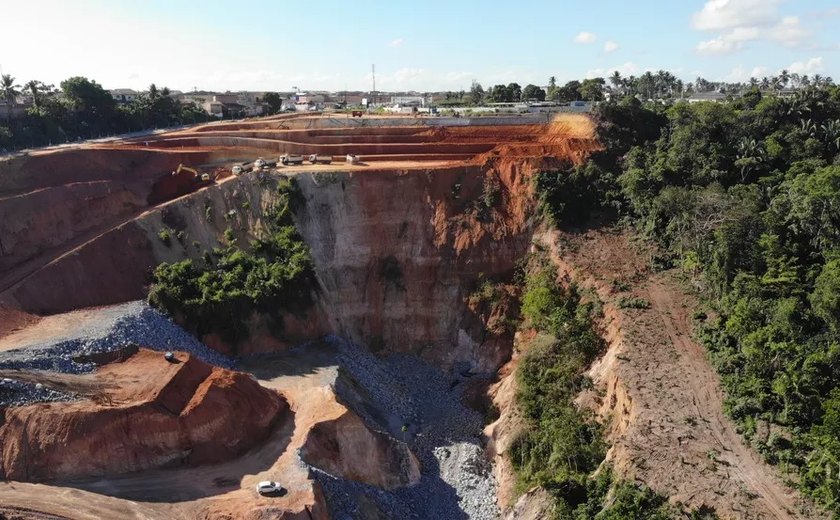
{"points": [[268, 487]]}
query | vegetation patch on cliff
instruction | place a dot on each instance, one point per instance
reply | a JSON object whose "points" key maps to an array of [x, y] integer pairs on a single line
{"points": [[219, 293], [562, 448]]}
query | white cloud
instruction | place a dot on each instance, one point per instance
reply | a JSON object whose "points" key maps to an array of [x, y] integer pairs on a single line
{"points": [[610, 46], [731, 41], [789, 32], [396, 42], [810, 67], [585, 37], [741, 21], [726, 14]]}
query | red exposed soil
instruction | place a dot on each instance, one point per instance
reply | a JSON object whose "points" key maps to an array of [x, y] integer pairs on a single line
{"points": [[149, 413]]}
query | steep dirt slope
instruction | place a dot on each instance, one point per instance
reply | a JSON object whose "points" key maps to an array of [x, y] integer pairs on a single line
{"points": [[661, 399]]}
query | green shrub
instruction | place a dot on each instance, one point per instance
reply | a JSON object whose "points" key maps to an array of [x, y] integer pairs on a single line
{"points": [[561, 444], [165, 236]]}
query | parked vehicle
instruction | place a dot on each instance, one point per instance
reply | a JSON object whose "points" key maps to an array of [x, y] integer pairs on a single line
{"points": [[291, 159], [320, 159], [269, 487]]}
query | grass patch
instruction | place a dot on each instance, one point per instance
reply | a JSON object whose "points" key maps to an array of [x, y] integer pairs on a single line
{"points": [[633, 302]]}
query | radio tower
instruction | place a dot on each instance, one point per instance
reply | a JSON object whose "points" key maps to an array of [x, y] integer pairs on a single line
{"points": [[373, 75]]}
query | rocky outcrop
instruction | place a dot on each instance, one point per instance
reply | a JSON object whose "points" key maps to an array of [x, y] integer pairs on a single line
{"points": [[151, 413], [347, 448]]}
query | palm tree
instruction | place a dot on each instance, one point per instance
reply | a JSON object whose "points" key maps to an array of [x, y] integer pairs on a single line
{"points": [[648, 83], [616, 80], [808, 127], [36, 89], [831, 133], [765, 83], [805, 81], [784, 77], [9, 91], [753, 82], [750, 154], [818, 81]]}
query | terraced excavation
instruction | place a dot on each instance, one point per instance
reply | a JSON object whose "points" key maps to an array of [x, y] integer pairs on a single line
{"points": [[362, 388]]}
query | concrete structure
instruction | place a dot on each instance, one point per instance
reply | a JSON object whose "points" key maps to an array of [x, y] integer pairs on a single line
{"points": [[124, 95], [713, 96], [15, 111], [409, 101]]}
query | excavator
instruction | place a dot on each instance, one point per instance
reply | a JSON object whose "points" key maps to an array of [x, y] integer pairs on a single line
{"points": [[203, 177], [181, 181]]}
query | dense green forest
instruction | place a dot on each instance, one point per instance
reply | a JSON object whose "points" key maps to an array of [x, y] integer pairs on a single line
{"points": [[744, 197], [82, 109]]}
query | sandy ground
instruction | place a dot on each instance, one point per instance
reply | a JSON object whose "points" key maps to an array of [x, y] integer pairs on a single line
{"points": [[663, 399]]}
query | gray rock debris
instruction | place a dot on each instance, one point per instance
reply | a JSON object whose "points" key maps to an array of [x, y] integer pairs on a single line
{"points": [[420, 405], [112, 328]]}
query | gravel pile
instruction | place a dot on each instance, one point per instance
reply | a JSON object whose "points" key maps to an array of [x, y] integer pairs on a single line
{"points": [[112, 328], [420, 405], [17, 393]]}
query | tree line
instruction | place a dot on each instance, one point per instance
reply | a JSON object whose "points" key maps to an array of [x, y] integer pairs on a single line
{"points": [[659, 85], [81, 109]]}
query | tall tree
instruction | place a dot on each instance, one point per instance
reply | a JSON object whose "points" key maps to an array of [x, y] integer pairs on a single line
{"points": [[531, 92], [9, 91], [616, 80], [592, 89], [784, 78], [274, 102], [476, 93]]}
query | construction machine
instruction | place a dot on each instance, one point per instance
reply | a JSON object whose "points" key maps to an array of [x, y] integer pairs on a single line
{"points": [[320, 159], [197, 176], [291, 159], [182, 168]]}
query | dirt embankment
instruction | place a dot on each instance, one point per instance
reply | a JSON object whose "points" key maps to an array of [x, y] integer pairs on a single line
{"points": [[656, 392], [149, 413]]}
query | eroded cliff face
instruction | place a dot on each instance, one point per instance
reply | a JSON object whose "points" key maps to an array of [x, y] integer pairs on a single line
{"points": [[397, 253]]}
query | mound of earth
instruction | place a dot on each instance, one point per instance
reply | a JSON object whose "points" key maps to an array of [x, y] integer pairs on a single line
{"points": [[147, 412], [346, 447]]}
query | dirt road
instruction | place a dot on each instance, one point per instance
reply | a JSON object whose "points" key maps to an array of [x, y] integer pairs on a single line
{"points": [[663, 400]]}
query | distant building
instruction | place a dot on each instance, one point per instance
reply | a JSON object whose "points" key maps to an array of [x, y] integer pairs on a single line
{"points": [[14, 111], [305, 98], [409, 101], [713, 96], [124, 95]]}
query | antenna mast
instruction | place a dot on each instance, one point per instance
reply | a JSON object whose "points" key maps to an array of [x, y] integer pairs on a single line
{"points": [[373, 75]]}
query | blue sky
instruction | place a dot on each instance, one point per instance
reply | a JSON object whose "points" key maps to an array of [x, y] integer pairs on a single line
{"points": [[419, 45]]}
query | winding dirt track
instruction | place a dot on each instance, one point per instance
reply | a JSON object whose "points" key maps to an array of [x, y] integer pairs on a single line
{"points": [[706, 403], [663, 402]]}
